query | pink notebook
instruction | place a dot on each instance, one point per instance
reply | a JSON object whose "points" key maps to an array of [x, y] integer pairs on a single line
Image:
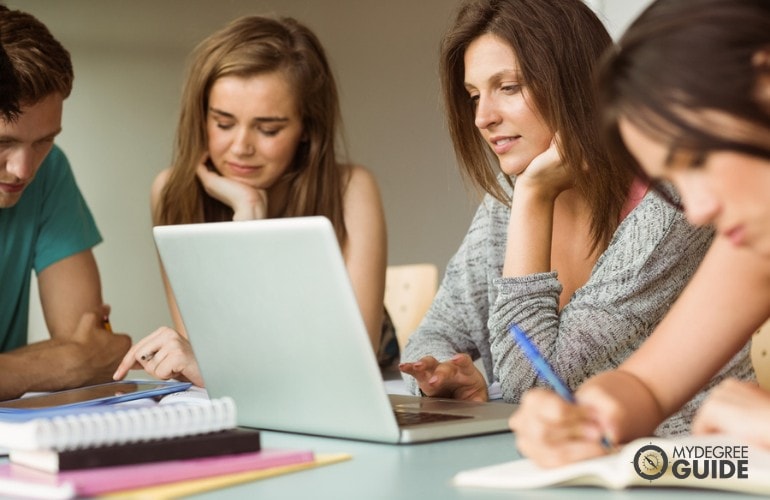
{"points": [[23, 481]]}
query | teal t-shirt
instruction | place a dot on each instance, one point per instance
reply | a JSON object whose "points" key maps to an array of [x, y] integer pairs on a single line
{"points": [[50, 222]]}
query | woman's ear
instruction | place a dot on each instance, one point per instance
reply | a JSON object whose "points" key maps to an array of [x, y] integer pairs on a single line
{"points": [[761, 63], [761, 59]]}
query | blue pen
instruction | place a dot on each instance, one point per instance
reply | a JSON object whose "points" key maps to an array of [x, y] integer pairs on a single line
{"points": [[541, 365], [543, 369]]}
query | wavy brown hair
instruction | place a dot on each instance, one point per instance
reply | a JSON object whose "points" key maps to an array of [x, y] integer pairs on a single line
{"points": [[247, 47], [558, 44]]}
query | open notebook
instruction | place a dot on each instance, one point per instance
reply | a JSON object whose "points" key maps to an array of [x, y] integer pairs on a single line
{"points": [[274, 323], [705, 462]]}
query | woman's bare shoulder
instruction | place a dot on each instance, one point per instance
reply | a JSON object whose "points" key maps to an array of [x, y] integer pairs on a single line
{"points": [[361, 178], [158, 185]]}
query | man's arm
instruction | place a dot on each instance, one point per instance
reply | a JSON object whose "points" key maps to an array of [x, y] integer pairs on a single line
{"points": [[69, 288], [89, 356], [80, 351]]}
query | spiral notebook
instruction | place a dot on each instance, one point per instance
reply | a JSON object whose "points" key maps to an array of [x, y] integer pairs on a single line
{"points": [[116, 424]]}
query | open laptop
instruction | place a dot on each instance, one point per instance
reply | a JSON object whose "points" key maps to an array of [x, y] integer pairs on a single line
{"points": [[274, 323]]}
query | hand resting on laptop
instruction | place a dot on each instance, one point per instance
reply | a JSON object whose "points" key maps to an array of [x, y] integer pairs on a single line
{"points": [[456, 378]]}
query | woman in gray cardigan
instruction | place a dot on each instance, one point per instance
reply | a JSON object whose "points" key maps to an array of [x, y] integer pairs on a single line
{"points": [[566, 243]]}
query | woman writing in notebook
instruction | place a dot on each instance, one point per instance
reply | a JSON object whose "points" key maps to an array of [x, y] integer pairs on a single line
{"points": [[688, 92], [255, 140], [564, 244]]}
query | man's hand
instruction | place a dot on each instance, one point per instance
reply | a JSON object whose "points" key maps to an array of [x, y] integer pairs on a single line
{"points": [[89, 356], [93, 353]]}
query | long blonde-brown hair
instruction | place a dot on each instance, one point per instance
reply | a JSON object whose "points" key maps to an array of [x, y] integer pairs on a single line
{"points": [[247, 47], [558, 44]]}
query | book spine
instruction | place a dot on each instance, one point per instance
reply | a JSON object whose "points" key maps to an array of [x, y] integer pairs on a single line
{"points": [[227, 442]]}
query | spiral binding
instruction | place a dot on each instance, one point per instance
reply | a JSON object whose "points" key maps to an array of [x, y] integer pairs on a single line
{"points": [[126, 425]]}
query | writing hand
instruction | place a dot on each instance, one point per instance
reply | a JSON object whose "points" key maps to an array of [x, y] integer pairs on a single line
{"points": [[248, 203], [164, 354], [553, 432], [457, 378]]}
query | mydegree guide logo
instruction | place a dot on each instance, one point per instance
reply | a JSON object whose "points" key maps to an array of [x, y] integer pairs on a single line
{"points": [[700, 462]]}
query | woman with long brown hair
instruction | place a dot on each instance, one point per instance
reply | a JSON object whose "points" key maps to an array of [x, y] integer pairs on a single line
{"points": [[257, 138], [566, 243]]}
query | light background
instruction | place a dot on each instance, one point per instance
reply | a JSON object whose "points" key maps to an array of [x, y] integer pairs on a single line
{"points": [[119, 122]]}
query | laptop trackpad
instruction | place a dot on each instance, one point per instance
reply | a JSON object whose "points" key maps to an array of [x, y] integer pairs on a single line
{"points": [[436, 405]]}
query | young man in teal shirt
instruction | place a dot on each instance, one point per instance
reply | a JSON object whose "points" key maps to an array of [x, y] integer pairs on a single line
{"points": [[45, 226]]}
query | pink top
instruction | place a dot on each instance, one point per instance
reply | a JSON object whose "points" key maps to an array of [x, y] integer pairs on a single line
{"points": [[636, 192]]}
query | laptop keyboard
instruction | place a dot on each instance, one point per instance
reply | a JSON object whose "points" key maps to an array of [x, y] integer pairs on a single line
{"points": [[406, 418]]}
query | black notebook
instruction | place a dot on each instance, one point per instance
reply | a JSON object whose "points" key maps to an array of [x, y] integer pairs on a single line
{"points": [[227, 442]]}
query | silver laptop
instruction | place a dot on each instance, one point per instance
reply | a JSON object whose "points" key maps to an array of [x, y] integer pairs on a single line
{"points": [[274, 323]]}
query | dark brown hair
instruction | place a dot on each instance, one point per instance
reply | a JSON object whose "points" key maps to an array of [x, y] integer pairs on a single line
{"points": [[558, 44], [684, 62], [246, 47], [33, 65]]}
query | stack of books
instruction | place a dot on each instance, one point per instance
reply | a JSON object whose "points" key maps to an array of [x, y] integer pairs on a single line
{"points": [[180, 444]]}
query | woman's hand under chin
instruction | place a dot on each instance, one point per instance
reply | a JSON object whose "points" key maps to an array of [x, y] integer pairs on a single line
{"points": [[547, 174], [248, 203]]}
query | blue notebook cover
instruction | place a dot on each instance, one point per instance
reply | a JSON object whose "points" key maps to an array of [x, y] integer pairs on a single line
{"points": [[73, 400]]}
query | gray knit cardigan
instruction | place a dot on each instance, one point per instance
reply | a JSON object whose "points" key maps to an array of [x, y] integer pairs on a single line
{"points": [[652, 255]]}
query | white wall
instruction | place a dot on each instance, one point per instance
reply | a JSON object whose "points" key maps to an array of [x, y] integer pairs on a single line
{"points": [[119, 122], [617, 14]]}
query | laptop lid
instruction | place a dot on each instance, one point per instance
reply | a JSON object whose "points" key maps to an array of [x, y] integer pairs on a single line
{"points": [[274, 323]]}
